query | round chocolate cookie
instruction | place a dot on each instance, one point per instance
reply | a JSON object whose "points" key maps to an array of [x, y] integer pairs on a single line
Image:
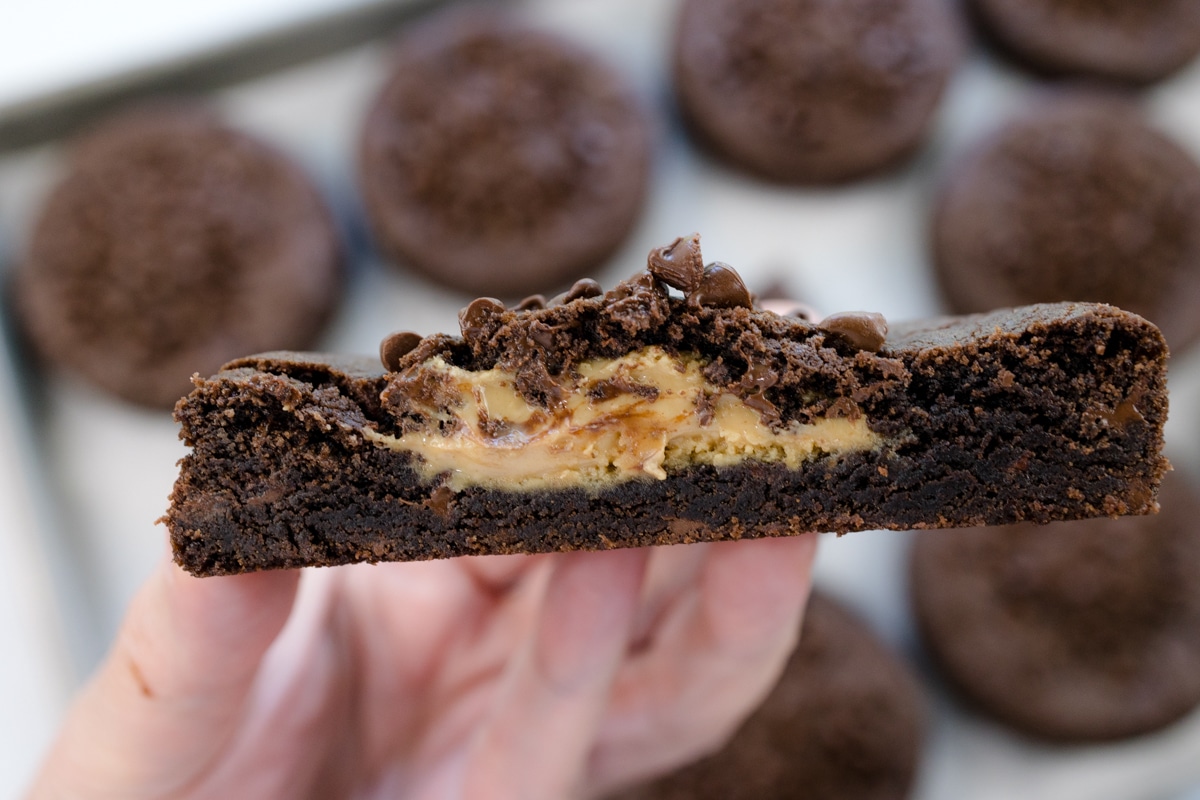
{"points": [[1136, 42], [845, 722], [811, 90], [1075, 631], [173, 245], [501, 160], [1076, 199]]}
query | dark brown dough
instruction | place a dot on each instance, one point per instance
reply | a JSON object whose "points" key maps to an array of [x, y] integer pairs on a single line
{"points": [[173, 245], [1134, 41], [807, 91], [1075, 199], [1075, 631], [499, 159]]}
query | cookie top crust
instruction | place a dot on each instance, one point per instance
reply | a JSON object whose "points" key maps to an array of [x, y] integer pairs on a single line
{"points": [[173, 245], [789, 368], [500, 159], [1137, 43], [813, 92], [1075, 199], [1081, 631]]}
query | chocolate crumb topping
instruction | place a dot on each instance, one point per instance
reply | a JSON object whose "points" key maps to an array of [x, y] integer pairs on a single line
{"points": [[477, 315], [395, 347], [679, 264], [721, 287], [541, 342], [865, 330]]}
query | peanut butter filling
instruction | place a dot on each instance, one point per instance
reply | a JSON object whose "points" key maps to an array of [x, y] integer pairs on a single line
{"points": [[638, 416]]}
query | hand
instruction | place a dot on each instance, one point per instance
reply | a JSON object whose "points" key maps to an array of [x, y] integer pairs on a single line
{"points": [[520, 677]]}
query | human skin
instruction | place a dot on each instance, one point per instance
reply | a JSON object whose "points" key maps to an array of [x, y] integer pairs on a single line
{"points": [[492, 678]]}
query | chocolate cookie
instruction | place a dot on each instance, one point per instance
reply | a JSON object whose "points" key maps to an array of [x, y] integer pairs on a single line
{"points": [[807, 91], [173, 244], [1076, 199], [1077, 631], [1137, 42], [845, 722], [666, 410], [501, 160]]}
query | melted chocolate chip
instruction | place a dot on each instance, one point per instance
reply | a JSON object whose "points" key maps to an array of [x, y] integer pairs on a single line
{"points": [[543, 334], [640, 284], [721, 287], [395, 347], [767, 410], [614, 387], [679, 264], [1122, 415], [477, 315], [864, 330], [532, 303], [440, 499], [583, 288], [705, 410], [758, 377]]}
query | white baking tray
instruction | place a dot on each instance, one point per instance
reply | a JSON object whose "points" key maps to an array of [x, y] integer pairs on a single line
{"points": [[94, 473]]}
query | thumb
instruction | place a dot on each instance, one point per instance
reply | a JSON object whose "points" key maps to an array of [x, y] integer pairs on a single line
{"points": [[169, 696]]}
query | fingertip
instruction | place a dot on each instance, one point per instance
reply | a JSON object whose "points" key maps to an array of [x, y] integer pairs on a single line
{"points": [[187, 626], [588, 612], [174, 684], [755, 591], [556, 689], [231, 603]]}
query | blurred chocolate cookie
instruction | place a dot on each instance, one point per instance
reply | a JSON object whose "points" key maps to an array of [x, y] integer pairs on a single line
{"points": [[845, 722], [1075, 199], [173, 245], [1074, 631], [1136, 41], [810, 91], [501, 160]]}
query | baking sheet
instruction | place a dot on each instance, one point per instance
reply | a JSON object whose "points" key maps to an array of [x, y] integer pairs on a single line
{"points": [[101, 470]]}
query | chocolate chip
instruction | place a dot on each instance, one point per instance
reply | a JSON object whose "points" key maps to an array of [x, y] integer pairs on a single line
{"points": [[642, 284], [477, 315], [395, 347], [758, 377], [543, 334], [721, 287], [532, 303], [864, 330], [583, 288], [767, 410], [679, 264], [440, 500]]}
